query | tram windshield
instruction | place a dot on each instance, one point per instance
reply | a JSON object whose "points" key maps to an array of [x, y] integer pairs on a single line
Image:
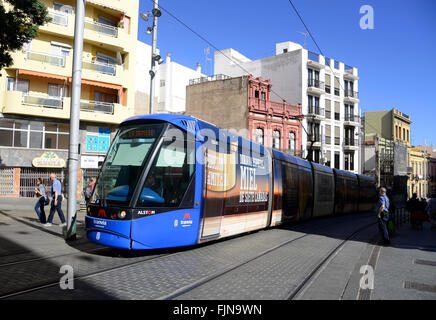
{"points": [[124, 162]]}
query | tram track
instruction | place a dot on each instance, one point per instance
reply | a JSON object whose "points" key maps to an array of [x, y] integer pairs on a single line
{"points": [[54, 281], [292, 294]]}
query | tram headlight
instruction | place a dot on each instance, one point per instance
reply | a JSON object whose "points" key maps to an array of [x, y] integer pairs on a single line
{"points": [[122, 214]]}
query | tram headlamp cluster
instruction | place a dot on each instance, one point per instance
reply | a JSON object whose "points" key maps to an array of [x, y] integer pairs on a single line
{"points": [[122, 214]]}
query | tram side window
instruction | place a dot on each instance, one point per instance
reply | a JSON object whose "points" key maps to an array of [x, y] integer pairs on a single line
{"points": [[168, 177]]}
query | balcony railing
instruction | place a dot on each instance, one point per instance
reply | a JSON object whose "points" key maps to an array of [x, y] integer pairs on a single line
{"points": [[102, 28], [58, 17], [97, 106], [351, 142], [351, 94], [351, 117], [106, 68], [207, 79], [316, 111], [52, 59], [43, 101], [315, 83]]}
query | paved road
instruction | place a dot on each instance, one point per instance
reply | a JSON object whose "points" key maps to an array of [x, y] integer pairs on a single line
{"points": [[320, 259]]}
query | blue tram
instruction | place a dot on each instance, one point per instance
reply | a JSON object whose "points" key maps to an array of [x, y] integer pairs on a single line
{"points": [[173, 180]]}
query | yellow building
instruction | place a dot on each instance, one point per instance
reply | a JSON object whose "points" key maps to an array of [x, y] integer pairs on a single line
{"points": [[418, 179], [35, 92]]}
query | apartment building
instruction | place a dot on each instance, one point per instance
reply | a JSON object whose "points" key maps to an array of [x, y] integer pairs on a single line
{"points": [[389, 124], [326, 89], [35, 93], [243, 105]]}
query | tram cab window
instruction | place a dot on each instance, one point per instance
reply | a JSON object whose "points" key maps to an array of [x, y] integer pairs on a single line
{"points": [[169, 176]]}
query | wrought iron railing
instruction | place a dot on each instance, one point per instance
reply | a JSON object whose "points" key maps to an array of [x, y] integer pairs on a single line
{"points": [[316, 111], [351, 94], [315, 83], [207, 79]]}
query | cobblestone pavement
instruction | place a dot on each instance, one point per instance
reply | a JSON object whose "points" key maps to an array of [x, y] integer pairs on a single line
{"points": [[267, 264]]}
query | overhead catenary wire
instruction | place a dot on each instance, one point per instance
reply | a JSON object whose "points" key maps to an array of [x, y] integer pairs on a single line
{"points": [[226, 56]]}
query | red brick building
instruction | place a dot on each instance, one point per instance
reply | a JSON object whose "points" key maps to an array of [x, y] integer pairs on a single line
{"points": [[243, 104]]}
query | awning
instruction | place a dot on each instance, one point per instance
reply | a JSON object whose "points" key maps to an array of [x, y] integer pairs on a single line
{"points": [[106, 6], [41, 74], [101, 84]]}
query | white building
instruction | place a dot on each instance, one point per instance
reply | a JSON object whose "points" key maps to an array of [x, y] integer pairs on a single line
{"points": [[172, 85], [327, 90], [171, 79]]}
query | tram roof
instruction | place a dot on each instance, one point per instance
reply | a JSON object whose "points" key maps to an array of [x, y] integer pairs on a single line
{"points": [[182, 121]]}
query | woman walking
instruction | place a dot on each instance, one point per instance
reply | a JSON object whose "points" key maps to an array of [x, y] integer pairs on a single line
{"points": [[41, 193]]}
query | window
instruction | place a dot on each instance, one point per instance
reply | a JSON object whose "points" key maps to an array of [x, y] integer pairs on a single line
{"points": [[19, 85], [57, 90], [262, 94], [336, 86], [32, 134], [162, 83], [256, 94], [169, 177], [292, 143], [337, 111], [276, 139], [63, 8], [337, 160], [259, 136], [349, 161], [404, 134]]}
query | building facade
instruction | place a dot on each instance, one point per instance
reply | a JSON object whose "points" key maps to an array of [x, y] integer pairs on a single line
{"points": [[419, 177], [35, 93], [326, 89], [243, 105]]}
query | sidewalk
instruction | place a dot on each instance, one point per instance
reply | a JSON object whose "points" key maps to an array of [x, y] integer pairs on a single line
{"points": [[407, 268]]}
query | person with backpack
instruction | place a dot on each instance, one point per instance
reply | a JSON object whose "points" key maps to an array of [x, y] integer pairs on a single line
{"points": [[88, 190]]}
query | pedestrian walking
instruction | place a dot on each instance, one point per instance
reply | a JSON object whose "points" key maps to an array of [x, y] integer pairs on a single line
{"points": [[383, 215], [56, 202], [43, 200], [431, 210], [416, 209], [88, 190]]}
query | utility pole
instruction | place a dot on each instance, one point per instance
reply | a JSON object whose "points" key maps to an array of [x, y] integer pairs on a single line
{"points": [[73, 154], [156, 13]]}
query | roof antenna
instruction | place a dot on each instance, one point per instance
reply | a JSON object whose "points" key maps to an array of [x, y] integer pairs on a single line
{"points": [[305, 34]]}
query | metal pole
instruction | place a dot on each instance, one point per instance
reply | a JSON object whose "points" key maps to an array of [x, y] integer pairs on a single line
{"points": [[73, 154], [153, 54]]}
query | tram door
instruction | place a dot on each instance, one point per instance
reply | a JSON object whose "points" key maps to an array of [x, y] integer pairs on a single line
{"points": [[213, 194]]}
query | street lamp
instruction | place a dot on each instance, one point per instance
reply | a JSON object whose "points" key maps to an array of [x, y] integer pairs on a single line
{"points": [[154, 56]]}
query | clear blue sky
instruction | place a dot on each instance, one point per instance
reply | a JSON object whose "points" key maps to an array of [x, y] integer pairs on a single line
{"points": [[396, 60]]}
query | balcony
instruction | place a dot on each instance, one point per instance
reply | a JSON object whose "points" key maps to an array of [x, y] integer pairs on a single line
{"points": [[351, 120], [107, 35], [315, 86], [42, 101], [351, 144], [105, 68], [55, 60], [101, 28], [97, 106], [61, 24], [351, 96], [313, 60], [349, 73], [316, 113], [40, 105]]}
